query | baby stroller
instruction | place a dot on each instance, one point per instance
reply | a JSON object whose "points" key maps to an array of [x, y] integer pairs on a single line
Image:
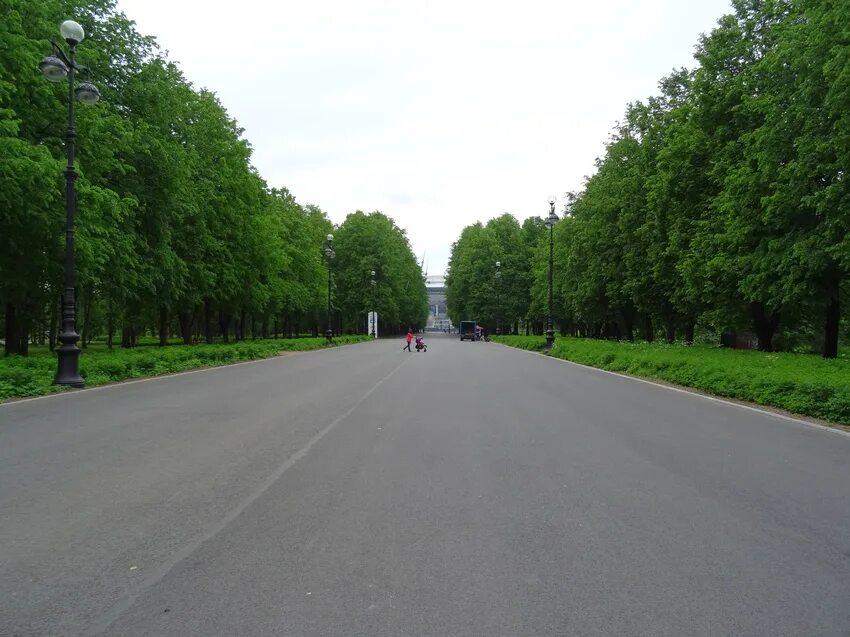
{"points": [[420, 345]]}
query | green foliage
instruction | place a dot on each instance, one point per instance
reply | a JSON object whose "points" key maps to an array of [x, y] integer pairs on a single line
{"points": [[372, 242], [722, 203], [799, 383], [175, 229], [474, 289], [33, 376], [529, 343]]}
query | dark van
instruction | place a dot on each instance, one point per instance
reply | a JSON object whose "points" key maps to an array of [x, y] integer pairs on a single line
{"points": [[467, 330]]}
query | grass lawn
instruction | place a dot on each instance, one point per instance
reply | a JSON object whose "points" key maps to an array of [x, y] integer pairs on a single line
{"points": [[804, 384], [33, 375]]}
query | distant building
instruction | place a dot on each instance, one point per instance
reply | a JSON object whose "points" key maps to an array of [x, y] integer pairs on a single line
{"points": [[437, 317]]}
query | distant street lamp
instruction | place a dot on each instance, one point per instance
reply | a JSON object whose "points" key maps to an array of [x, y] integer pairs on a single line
{"points": [[498, 296], [550, 222], [329, 254], [373, 283], [56, 68]]}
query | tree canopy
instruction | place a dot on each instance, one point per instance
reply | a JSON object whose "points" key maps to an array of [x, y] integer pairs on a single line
{"points": [[721, 203], [176, 230]]}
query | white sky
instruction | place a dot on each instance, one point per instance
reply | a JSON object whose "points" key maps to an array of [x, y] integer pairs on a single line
{"points": [[437, 113]]}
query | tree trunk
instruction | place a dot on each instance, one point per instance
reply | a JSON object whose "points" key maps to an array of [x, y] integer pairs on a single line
{"points": [[670, 333], [208, 321], [126, 335], [163, 326], [615, 330], [185, 320], [648, 329], [629, 327], [689, 332], [53, 325], [833, 319], [11, 333], [86, 329], [23, 322], [764, 326], [24, 341], [242, 323], [224, 324], [17, 331]]}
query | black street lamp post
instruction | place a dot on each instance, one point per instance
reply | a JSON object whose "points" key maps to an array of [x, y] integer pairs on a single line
{"points": [[330, 254], [498, 297], [550, 222], [56, 68]]}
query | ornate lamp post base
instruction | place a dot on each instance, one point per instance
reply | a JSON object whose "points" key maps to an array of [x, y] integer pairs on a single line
{"points": [[69, 367]]}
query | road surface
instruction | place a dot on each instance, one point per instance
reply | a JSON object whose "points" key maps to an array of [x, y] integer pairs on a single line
{"points": [[470, 490]]}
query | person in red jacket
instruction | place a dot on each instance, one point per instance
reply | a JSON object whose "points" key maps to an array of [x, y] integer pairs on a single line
{"points": [[409, 339]]}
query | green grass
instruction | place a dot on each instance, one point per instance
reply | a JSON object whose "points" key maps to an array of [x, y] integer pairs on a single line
{"points": [[33, 375], [800, 383]]}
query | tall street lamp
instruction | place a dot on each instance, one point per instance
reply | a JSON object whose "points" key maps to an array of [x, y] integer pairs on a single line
{"points": [[498, 296], [550, 222], [330, 254], [373, 283], [56, 68]]}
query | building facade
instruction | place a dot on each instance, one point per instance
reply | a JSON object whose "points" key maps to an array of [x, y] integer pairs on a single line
{"points": [[438, 319]]}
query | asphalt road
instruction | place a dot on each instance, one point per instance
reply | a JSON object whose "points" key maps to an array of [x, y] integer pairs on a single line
{"points": [[471, 490]]}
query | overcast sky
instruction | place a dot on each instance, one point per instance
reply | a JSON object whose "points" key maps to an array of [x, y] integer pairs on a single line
{"points": [[437, 113]]}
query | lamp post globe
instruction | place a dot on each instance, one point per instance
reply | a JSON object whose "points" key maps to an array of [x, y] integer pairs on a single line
{"points": [[56, 68], [550, 222], [71, 32]]}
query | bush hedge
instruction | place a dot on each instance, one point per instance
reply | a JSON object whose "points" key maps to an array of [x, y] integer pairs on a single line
{"points": [[800, 383], [33, 375]]}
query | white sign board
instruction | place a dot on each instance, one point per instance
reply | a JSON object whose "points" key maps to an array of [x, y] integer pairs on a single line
{"points": [[372, 324]]}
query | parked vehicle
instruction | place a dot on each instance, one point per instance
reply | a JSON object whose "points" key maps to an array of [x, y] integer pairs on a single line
{"points": [[468, 330]]}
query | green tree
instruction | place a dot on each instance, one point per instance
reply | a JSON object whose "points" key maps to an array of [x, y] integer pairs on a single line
{"points": [[367, 242]]}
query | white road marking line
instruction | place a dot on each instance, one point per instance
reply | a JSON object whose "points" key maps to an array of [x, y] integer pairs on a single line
{"points": [[110, 616]]}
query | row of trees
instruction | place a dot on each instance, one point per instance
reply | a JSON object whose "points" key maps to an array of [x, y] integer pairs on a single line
{"points": [[477, 289], [723, 202], [176, 231]]}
